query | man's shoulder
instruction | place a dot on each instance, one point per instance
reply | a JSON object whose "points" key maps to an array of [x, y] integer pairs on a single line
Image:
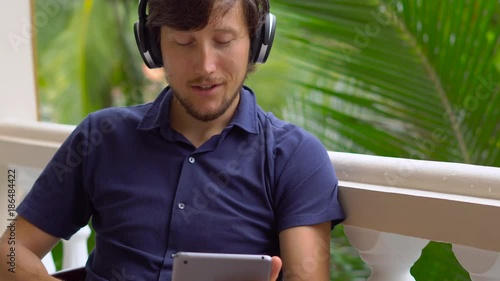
{"points": [[286, 135], [126, 116], [129, 113], [111, 121]]}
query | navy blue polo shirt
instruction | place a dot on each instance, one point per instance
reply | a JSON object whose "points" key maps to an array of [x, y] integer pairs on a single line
{"points": [[150, 193]]}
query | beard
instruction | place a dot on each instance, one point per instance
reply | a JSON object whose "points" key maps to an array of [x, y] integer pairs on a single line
{"points": [[191, 109], [214, 114]]}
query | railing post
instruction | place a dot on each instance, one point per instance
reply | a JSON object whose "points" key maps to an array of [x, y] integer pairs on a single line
{"points": [[75, 252], [18, 69], [482, 265], [390, 256]]}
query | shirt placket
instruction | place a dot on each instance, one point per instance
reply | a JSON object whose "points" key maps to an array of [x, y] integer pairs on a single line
{"points": [[181, 213]]}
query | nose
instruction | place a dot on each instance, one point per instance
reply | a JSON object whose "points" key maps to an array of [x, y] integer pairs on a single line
{"points": [[206, 61]]}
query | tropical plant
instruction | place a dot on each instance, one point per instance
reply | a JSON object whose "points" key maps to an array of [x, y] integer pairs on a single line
{"points": [[403, 78], [87, 57]]}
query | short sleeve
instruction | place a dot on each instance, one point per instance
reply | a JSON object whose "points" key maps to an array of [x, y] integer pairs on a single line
{"points": [[57, 203], [307, 187]]}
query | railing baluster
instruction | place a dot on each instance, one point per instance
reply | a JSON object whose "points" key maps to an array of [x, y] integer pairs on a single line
{"points": [[75, 252], [390, 256], [482, 265], [48, 262]]}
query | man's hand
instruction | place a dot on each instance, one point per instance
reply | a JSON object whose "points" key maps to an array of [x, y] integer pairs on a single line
{"points": [[276, 267]]}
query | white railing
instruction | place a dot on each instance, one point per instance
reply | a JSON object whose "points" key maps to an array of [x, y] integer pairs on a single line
{"points": [[394, 206]]}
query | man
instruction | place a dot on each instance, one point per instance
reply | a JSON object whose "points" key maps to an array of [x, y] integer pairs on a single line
{"points": [[200, 169]]}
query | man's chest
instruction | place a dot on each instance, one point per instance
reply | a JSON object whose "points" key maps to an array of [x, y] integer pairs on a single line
{"points": [[185, 201]]}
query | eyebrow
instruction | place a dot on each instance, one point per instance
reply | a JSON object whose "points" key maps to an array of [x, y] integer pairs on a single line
{"points": [[218, 29], [221, 29], [227, 30], [238, 33]]}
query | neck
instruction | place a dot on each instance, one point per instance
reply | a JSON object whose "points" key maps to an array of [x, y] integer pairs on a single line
{"points": [[196, 131]]}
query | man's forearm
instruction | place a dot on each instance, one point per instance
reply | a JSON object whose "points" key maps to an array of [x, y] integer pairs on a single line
{"points": [[25, 265]]}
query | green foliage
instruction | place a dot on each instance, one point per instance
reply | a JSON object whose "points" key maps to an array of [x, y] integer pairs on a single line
{"points": [[435, 263], [271, 84], [85, 51], [397, 78]]}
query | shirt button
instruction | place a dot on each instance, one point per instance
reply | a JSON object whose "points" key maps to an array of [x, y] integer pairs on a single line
{"points": [[191, 160], [181, 206]]}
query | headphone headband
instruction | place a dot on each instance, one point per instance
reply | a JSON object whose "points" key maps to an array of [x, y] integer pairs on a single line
{"points": [[150, 50], [142, 9]]}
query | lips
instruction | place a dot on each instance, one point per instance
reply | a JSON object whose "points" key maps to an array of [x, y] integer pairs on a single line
{"points": [[206, 87]]}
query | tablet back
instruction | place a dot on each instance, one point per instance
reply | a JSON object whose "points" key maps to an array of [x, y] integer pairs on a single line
{"points": [[189, 266]]}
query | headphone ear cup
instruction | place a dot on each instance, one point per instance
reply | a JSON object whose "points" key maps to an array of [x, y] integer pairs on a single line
{"points": [[263, 41], [147, 45], [140, 45], [155, 48]]}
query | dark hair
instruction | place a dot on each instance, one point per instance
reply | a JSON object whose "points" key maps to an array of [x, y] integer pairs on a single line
{"points": [[190, 15]]}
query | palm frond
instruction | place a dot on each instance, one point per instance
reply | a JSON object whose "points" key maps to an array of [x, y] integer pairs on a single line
{"points": [[418, 71], [84, 53]]}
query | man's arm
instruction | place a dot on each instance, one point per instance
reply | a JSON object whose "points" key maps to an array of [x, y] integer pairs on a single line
{"points": [[31, 245], [305, 252]]}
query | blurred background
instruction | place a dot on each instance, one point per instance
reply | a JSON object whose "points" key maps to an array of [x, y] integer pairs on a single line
{"points": [[403, 78]]}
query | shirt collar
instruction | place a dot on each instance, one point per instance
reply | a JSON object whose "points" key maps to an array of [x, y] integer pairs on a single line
{"points": [[245, 116], [157, 114]]}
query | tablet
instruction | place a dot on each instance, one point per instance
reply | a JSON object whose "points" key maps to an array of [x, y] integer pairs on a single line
{"points": [[190, 266]]}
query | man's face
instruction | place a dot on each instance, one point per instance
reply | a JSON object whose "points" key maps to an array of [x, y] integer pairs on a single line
{"points": [[206, 68]]}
